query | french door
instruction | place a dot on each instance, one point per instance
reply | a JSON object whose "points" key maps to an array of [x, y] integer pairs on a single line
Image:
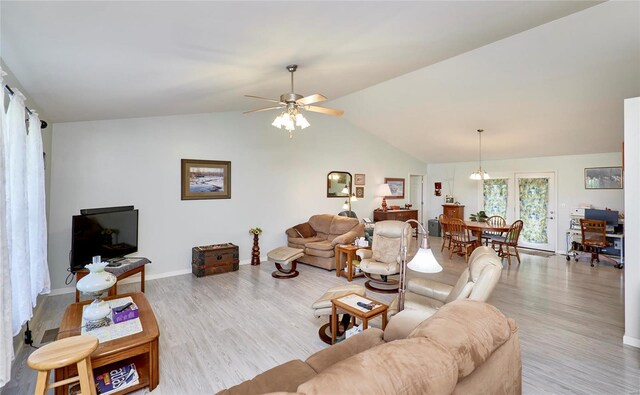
{"points": [[535, 205], [530, 197]]}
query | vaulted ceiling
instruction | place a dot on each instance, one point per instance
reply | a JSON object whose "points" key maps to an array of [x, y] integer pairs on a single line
{"points": [[542, 78]]}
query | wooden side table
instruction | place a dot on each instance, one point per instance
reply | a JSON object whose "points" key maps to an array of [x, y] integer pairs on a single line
{"points": [[350, 251], [140, 348], [133, 266], [346, 303]]}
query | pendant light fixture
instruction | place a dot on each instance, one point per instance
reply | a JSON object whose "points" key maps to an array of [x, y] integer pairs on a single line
{"points": [[479, 174]]}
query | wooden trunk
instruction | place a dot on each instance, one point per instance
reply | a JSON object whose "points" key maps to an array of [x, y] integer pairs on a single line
{"points": [[214, 259]]}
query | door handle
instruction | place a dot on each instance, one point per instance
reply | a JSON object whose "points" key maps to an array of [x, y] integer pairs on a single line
{"points": [[551, 218]]}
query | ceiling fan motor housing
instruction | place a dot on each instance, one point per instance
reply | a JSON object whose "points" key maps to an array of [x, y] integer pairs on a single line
{"points": [[290, 97]]}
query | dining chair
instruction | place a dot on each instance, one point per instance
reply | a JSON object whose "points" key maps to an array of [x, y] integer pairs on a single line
{"points": [[495, 221], [594, 239], [461, 238], [446, 235], [509, 241]]}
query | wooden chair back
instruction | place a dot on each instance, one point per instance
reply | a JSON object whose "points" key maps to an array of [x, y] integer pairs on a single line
{"points": [[512, 236], [496, 220], [594, 232], [459, 231], [444, 222]]}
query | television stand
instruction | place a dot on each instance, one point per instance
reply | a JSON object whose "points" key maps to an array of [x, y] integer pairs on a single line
{"points": [[128, 267]]}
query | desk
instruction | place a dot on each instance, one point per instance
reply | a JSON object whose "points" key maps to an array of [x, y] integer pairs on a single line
{"points": [[576, 235]]}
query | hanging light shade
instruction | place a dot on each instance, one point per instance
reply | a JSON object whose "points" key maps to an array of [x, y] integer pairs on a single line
{"points": [[479, 174]]}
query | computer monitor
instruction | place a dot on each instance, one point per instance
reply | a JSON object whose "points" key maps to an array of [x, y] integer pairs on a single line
{"points": [[607, 215]]}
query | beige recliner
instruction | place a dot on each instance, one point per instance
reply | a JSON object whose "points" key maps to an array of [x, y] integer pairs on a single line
{"points": [[384, 258], [476, 283]]}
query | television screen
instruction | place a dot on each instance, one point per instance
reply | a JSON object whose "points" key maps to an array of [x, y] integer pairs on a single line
{"points": [[110, 234], [610, 216]]}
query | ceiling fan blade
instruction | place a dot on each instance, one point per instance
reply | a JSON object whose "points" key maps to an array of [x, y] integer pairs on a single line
{"points": [[315, 98], [263, 98], [329, 111], [262, 109]]}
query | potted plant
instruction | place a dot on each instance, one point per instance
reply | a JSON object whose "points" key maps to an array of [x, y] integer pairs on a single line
{"points": [[480, 216], [255, 251]]}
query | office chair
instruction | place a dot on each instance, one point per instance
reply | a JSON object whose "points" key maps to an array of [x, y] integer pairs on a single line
{"points": [[594, 239]]}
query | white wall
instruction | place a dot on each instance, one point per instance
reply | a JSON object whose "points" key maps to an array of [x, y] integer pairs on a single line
{"points": [[570, 189], [632, 222], [276, 182]]}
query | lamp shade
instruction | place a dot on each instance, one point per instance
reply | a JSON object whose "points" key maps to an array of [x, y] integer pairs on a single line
{"points": [[424, 262], [383, 190]]}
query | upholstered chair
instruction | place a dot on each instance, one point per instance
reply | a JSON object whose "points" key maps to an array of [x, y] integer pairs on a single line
{"points": [[383, 260], [476, 283]]}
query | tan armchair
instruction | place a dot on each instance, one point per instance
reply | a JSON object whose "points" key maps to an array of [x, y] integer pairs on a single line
{"points": [[383, 259], [319, 237], [476, 283]]}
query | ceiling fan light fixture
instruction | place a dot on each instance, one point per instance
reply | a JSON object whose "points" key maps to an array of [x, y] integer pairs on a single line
{"points": [[301, 121]]}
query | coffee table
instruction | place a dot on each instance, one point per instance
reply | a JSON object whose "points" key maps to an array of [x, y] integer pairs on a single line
{"points": [[347, 302], [140, 348]]}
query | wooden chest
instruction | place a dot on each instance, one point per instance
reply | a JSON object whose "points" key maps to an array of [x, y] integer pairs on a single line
{"points": [[214, 259]]}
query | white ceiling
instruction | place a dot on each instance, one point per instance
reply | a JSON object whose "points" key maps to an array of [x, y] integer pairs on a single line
{"points": [[108, 60]]}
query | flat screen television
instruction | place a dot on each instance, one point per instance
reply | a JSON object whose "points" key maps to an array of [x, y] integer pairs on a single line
{"points": [[108, 232]]}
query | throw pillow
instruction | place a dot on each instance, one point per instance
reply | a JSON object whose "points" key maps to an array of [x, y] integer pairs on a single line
{"points": [[305, 230]]}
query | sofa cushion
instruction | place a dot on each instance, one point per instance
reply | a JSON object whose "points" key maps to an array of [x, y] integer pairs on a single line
{"points": [[301, 241], [321, 223], [341, 225], [319, 253], [398, 367], [305, 230], [323, 245], [470, 330], [285, 378], [345, 349]]}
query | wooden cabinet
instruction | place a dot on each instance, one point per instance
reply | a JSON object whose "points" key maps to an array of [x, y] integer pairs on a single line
{"points": [[453, 210], [397, 215]]}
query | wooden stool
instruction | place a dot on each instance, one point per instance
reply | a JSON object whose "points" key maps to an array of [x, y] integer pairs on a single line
{"points": [[76, 349]]}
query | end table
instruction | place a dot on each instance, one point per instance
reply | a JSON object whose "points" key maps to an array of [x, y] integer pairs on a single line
{"points": [[350, 251]]}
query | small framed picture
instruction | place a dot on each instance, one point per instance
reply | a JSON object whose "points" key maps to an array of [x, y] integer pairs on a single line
{"points": [[358, 179], [205, 179], [603, 178], [360, 192], [396, 185]]}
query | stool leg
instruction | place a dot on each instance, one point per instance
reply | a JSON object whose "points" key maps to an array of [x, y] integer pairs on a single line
{"points": [[42, 382], [85, 373], [142, 280]]}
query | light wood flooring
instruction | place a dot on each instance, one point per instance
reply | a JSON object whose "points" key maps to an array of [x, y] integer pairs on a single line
{"points": [[218, 331]]}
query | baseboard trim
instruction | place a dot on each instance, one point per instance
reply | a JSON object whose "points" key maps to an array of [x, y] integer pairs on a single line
{"points": [[631, 341], [136, 279]]}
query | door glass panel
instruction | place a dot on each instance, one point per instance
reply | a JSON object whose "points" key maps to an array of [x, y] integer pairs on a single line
{"points": [[495, 194], [534, 198]]}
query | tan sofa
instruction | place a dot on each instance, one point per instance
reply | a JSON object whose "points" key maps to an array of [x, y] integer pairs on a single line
{"points": [[466, 347], [319, 236]]}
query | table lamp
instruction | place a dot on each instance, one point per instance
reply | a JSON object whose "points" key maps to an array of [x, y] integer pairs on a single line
{"points": [[384, 191], [94, 284], [423, 261]]}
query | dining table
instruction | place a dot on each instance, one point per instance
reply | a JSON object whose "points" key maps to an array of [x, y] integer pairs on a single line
{"points": [[477, 228]]}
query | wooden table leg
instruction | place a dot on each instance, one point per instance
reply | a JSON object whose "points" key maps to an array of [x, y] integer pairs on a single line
{"points": [[334, 323], [384, 319], [350, 257], [365, 323]]}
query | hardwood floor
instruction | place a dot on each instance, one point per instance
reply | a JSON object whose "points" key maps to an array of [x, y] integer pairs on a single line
{"points": [[220, 330]]}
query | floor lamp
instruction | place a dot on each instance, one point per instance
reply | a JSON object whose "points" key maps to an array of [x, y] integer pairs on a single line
{"points": [[423, 261]]}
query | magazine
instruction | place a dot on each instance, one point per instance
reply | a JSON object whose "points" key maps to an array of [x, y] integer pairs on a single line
{"points": [[117, 379]]}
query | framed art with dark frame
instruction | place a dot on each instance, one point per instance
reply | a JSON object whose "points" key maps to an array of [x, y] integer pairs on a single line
{"points": [[603, 178], [360, 192], [205, 179], [397, 187]]}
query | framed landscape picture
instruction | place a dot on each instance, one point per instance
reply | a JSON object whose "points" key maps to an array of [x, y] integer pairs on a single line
{"points": [[603, 178], [397, 187], [358, 179], [205, 179]]}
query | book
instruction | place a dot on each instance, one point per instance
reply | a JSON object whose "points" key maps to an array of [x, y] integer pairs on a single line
{"points": [[117, 379]]}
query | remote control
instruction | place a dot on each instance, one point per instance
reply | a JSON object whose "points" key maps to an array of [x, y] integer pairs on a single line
{"points": [[367, 306]]}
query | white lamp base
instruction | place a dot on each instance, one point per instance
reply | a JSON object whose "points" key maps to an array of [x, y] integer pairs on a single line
{"points": [[96, 315]]}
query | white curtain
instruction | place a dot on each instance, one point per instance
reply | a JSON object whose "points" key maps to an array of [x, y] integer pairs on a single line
{"points": [[18, 212], [37, 211], [6, 332]]}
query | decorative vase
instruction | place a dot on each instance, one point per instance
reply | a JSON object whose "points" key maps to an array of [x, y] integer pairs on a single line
{"points": [[255, 252]]}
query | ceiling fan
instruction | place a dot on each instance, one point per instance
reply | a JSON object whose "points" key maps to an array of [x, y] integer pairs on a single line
{"points": [[293, 104]]}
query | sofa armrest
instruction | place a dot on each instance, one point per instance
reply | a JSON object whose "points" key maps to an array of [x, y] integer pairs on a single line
{"points": [[292, 233], [345, 349], [364, 254], [346, 238], [429, 288]]}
